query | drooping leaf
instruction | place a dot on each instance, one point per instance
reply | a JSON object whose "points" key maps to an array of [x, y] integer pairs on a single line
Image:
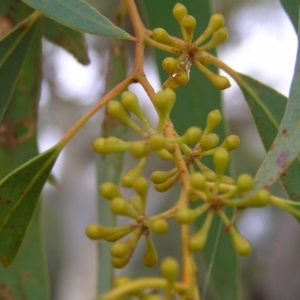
{"points": [[292, 8], [26, 278], [13, 50], [286, 146], [71, 40], [109, 167], [19, 193], [12, 14], [194, 102], [78, 15], [267, 107]]}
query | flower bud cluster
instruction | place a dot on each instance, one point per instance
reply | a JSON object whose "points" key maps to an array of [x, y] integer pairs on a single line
{"points": [[134, 208], [191, 53]]}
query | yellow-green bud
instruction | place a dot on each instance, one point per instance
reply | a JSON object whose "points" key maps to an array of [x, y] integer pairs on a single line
{"points": [[163, 187], [221, 160], [164, 100], [244, 183], [219, 81], [158, 177], [150, 257], [96, 232], [156, 142], [192, 135], [179, 11], [209, 141], [181, 78], [138, 149], [164, 154], [161, 36], [215, 23], [131, 103], [198, 181], [140, 185], [122, 280], [169, 269], [188, 23], [120, 262], [209, 175], [159, 226], [120, 206], [260, 199], [115, 233], [171, 84], [117, 110], [119, 249], [109, 190], [240, 244], [137, 203], [170, 65], [231, 142], [214, 118], [109, 145], [184, 215]]}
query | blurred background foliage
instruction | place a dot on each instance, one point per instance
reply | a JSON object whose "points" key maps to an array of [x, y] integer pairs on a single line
{"points": [[262, 44]]}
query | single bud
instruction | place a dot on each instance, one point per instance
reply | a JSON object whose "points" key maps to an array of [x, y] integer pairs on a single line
{"points": [[129, 177], [171, 84], [184, 215], [164, 101], [109, 145], [115, 233], [209, 175], [164, 154], [209, 141], [221, 160], [161, 176], [240, 244], [109, 190], [95, 232], [179, 11], [181, 78], [214, 118], [140, 185], [192, 135], [161, 36], [244, 183], [260, 199], [120, 262], [131, 103], [204, 58], [138, 149], [159, 226], [170, 65], [119, 249], [219, 81], [231, 142], [120, 206], [198, 181], [163, 187], [188, 23], [156, 142], [137, 203], [150, 257], [169, 269]]}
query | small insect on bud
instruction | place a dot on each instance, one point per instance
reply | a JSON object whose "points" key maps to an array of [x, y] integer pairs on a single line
{"points": [[109, 190], [179, 11], [161, 36], [169, 269]]}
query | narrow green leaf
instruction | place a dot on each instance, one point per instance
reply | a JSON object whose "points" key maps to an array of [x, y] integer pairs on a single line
{"points": [[69, 39], [291, 207], [292, 8], [12, 14], [109, 167], [26, 278], [13, 51], [267, 107], [286, 146], [19, 193], [80, 16], [194, 102]]}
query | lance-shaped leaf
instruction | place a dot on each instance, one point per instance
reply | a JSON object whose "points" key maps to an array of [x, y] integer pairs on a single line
{"points": [[19, 193], [194, 102], [267, 107], [13, 51], [286, 146], [78, 15], [12, 13], [71, 40], [290, 206], [292, 8]]}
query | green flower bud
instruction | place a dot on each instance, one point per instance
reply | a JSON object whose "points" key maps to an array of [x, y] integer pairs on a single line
{"points": [[188, 23], [156, 142], [150, 257], [198, 181], [161, 36], [181, 78], [163, 187], [137, 203], [120, 206], [221, 160], [120, 262], [192, 135], [109, 145], [159, 226], [170, 65], [129, 177], [240, 244], [160, 176], [169, 269], [115, 233], [214, 118], [179, 11], [164, 101], [140, 185], [138, 149], [122, 280], [184, 215], [95, 231], [231, 142], [209, 141], [244, 183], [119, 249], [164, 154], [109, 190], [219, 37], [171, 84]]}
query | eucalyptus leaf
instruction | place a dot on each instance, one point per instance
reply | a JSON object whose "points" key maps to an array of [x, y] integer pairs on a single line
{"points": [[267, 107], [19, 194], [78, 15], [286, 145], [13, 51], [292, 8]]}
